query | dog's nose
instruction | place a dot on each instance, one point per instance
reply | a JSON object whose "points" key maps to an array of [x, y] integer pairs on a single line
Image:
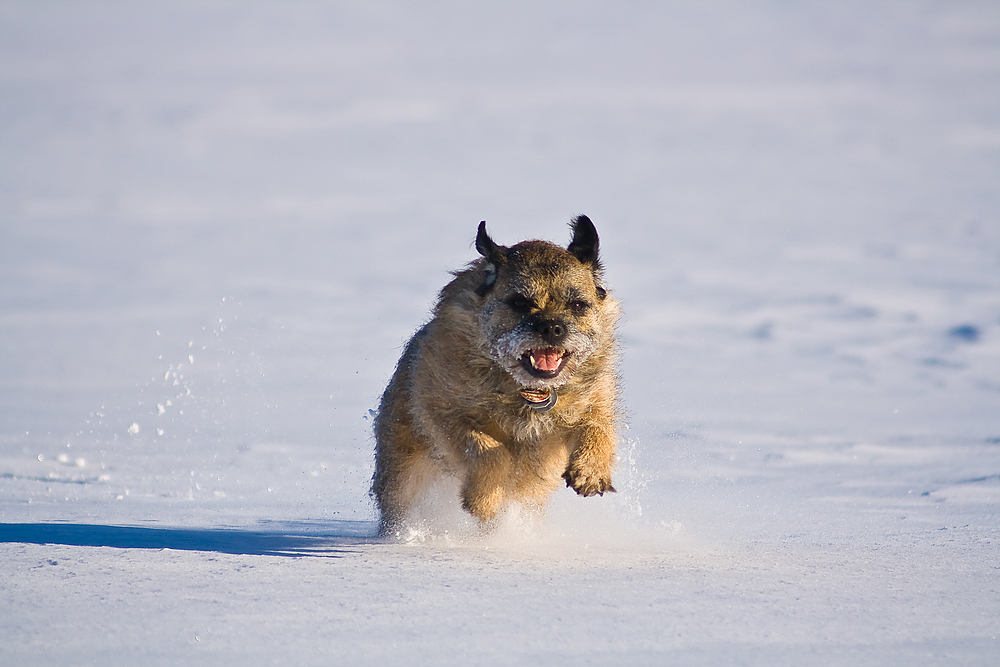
{"points": [[552, 331]]}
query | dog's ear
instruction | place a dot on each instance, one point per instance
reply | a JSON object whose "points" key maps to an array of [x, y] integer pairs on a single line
{"points": [[495, 256], [584, 247], [585, 242]]}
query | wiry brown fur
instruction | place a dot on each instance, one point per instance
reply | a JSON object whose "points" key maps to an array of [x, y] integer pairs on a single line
{"points": [[453, 406]]}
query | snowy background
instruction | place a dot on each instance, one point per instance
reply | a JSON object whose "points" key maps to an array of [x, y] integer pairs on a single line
{"points": [[219, 223]]}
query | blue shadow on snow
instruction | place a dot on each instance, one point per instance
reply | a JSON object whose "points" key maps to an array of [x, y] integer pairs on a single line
{"points": [[319, 540]]}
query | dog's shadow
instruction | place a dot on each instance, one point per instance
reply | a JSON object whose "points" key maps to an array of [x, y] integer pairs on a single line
{"points": [[329, 539]]}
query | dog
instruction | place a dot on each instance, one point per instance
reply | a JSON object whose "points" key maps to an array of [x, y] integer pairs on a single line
{"points": [[510, 388]]}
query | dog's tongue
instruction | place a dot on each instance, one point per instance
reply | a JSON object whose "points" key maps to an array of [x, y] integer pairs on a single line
{"points": [[547, 360]]}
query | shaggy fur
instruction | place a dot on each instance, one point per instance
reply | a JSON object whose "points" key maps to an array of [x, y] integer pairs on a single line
{"points": [[516, 329]]}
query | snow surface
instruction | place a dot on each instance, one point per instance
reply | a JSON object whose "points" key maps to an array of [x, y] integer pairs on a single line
{"points": [[219, 223]]}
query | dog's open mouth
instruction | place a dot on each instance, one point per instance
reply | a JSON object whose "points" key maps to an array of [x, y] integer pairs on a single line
{"points": [[545, 363]]}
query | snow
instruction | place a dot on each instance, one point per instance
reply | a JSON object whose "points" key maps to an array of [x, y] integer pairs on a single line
{"points": [[219, 224]]}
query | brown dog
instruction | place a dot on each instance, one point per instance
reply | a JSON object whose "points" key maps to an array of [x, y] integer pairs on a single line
{"points": [[509, 388]]}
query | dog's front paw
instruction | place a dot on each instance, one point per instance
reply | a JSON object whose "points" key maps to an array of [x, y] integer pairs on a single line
{"points": [[587, 483], [482, 502]]}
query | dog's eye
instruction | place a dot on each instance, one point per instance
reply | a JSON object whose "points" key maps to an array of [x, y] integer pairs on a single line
{"points": [[578, 306], [520, 303]]}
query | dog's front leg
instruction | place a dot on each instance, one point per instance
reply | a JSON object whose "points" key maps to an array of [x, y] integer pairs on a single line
{"points": [[489, 469], [589, 469]]}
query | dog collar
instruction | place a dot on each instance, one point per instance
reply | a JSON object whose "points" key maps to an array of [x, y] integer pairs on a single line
{"points": [[542, 400]]}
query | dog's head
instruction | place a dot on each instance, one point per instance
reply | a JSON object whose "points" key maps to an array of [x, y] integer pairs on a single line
{"points": [[544, 309]]}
